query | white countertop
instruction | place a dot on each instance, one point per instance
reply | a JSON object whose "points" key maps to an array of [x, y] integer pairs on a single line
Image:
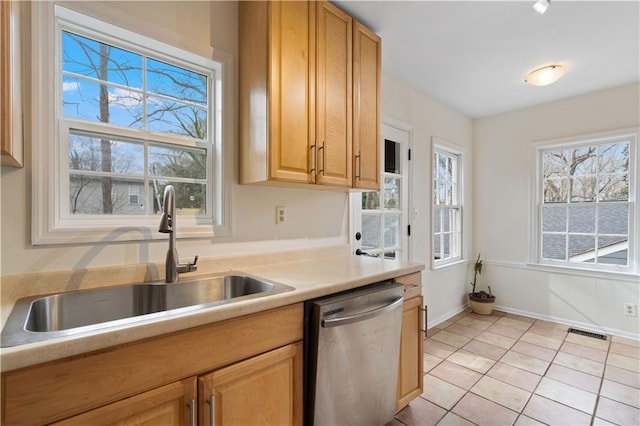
{"points": [[311, 278]]}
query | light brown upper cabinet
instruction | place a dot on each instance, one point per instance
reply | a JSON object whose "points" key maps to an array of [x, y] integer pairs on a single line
{"points": [[366, 107], [10, 85], [296, 95], [333, 96]]}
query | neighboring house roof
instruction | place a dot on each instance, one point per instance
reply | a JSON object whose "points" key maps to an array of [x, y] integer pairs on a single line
{"points": [[581, 247]]}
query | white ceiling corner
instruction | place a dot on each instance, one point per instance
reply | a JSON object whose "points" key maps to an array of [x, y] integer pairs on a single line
{"points": [[474, 55]]}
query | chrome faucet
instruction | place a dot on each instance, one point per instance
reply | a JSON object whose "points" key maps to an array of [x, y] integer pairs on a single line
{"points": [[168, 226]]}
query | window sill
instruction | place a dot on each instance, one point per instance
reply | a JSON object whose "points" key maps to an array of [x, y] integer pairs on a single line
{"points": [[582, 272], [124, 233], [452, 263]]}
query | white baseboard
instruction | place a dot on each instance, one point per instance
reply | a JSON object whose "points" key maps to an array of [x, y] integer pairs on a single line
{"points": [[442, 318], [582, 325], [577, 324]]}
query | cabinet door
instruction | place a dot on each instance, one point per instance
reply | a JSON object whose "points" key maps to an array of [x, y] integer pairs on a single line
{"points": [[333, 95], [366, 107], [291, 89], [168, 405], [10, 84], [410, 372], [263, 390]]}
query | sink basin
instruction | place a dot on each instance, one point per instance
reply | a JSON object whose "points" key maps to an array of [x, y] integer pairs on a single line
{"points": [[40, 318]]}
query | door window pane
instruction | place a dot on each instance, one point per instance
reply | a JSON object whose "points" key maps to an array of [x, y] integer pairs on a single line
{"points": [[392, 193], [391, 157], [370, 231]]}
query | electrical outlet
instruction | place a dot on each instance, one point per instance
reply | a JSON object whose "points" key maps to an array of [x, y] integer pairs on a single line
{"points": [[630, 309], [281, 213]]}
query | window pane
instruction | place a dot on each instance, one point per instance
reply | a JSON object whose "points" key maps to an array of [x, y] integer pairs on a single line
{"points": [[102, 195], [555, 190], [105, 155], [191, 198], [583, 188], [371, 200], [391, 230], [554, 219], [391, 157], [613, 250], [391, 193], [95, 102], [583, 161], [613, 187], [370, 231], [554, 247], [446, 220], [437, 222], [613, 158], [447, 246], [613, 219], [584, 245], [177, 162], [176, 118], [437, 254], [554, 164], [582, 219], [179, 83], [81, 55]]}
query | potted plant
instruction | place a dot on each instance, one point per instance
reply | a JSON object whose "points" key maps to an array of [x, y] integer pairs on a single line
{"points": [[481, 301]]}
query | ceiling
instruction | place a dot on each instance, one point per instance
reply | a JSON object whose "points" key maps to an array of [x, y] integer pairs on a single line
{"points": [[474, 55]]}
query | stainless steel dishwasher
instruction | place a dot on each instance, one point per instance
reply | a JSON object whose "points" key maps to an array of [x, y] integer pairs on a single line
{"points": [[353, 344]]}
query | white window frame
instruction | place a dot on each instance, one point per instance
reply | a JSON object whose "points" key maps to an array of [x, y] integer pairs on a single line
{"points": [[51, 223], [449, 149], [634, 194]]}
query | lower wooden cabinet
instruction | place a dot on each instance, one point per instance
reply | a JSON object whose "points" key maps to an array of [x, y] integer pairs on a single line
{"points": [[264, 390], [152, 382], [173, 404], [410, 372]]}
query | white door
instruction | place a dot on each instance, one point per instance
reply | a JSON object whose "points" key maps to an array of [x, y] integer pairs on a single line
{"points": [[379, 219]]}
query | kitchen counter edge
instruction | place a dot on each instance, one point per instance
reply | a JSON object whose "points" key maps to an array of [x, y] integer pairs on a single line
{"points": [[310, 279]]}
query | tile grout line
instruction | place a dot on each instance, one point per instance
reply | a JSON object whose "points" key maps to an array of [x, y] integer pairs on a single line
{"points": [[492, 322]]}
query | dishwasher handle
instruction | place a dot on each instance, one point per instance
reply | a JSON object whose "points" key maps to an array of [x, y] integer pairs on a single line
{"points": [[349, 319]]}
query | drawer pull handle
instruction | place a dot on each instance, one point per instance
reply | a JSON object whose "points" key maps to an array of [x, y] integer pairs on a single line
{"points": [[425, 320]]}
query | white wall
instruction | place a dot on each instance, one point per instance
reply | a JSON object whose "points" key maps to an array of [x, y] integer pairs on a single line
{"points": [[314, 218], [503, 164], [445, 289]]}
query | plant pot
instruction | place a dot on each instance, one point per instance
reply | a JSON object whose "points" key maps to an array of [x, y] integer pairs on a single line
{"points": [[482, 303]]}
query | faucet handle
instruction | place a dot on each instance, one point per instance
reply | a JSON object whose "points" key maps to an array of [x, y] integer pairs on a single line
{"points": [[191, 267]]}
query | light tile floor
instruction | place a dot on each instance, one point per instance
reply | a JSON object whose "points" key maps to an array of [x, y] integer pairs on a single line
{"points": [[504, 369]]}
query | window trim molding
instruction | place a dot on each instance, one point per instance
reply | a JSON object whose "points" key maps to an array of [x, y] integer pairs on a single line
{"points": [[47, 224], [535, 218], [438, 144]]}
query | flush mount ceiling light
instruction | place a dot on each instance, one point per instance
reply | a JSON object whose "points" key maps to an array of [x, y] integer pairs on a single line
{"points": [[541, 6], [545, 75]]}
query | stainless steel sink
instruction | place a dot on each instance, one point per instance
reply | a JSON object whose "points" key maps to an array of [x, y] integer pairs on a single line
{"points": [[40, 318]]}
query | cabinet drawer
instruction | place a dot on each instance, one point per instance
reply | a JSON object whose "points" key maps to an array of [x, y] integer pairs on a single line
{"points": [[412, 284]]}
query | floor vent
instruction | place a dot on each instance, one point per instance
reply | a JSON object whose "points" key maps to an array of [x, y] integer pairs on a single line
{"points": [[588, 333]]}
